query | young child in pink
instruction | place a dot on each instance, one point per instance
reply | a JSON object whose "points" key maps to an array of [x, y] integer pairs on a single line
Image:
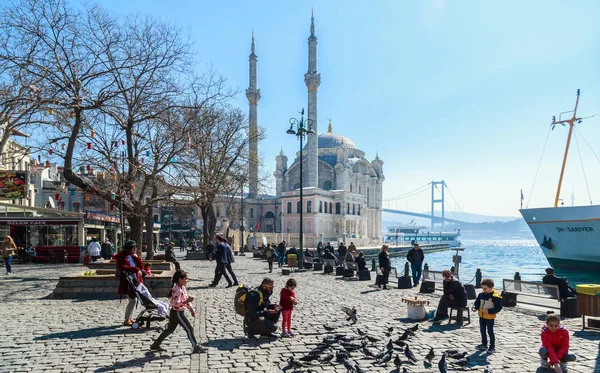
{"points": [[287, 301]]}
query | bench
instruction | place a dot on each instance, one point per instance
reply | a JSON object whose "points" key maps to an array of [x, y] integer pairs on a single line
{"points": [[57, 254], [328, 265], [534, 289], [349, 269]]}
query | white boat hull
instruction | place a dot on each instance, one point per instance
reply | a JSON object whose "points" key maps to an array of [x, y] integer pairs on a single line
{"points": [[569, 236]]}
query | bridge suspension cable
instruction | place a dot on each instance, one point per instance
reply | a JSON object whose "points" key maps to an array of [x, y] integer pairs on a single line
{"points": [[457, 205], [413, 192]]}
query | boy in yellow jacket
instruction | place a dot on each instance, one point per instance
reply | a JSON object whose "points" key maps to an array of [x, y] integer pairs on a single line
{"points": [[487, 305]]}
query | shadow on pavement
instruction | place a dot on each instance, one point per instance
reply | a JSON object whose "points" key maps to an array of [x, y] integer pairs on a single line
{"points": [[370, 291], [89, 333], [136, 362], [230, 344]]}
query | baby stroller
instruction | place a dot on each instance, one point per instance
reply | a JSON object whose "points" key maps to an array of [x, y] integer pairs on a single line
{"points": [[154, 310]]}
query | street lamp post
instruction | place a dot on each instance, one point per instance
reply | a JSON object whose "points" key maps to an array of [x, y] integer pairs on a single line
{"points": [[300, 132], [242, 218]]}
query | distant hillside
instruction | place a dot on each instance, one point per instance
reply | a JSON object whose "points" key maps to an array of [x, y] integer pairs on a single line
{"points": [[395, 219]]}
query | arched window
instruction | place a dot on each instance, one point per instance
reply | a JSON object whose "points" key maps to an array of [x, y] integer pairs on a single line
{"points": [[338, 208], [360, 189], [251, 212], [330, 209], [321, 206], [348, 208], [354, 209], [350, 187], [367, 196], [298, 207], [289, 207], [326, 207], [327, 185], [308, 206], [358, 209]]}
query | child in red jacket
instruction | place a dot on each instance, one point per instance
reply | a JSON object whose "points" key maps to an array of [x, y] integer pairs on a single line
{"points": [[287, 300], [554, 351]]}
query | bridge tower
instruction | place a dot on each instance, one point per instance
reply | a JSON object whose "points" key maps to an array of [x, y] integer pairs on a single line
{"points": [[434, 185]]}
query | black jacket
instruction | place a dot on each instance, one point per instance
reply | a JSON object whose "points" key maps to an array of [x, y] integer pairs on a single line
{"points": [[415, 256], [361, 263], [342, 252], [384, 260], [281, 248], [457, 289], [170, 255], [254, 310], [563, 288]]}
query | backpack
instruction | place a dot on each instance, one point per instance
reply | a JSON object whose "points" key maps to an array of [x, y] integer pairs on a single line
{"points": [[239, 301]]}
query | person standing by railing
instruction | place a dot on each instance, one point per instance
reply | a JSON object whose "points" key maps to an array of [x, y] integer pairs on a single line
{"points": [[416, 257], [385, 265]]}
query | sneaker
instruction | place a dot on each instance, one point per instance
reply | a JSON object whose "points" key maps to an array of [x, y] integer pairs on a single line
{"points": [[563, 366], [481, 347], [491, 350], [544, 363], [199, 349], [156, 347], [291, 333], [285, 334]]}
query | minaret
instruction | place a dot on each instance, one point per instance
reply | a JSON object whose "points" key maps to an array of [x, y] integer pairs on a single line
{"points": [[312, 80], [253, 95]]}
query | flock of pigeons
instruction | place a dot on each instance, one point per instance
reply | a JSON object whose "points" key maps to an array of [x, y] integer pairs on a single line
{"points": [[336, 348]]}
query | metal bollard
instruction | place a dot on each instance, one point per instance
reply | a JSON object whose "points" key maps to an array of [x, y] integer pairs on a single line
{"points": [[452, 269], [426, 267], [517, 276], [478, 277], [406, 270], [373, 265]]}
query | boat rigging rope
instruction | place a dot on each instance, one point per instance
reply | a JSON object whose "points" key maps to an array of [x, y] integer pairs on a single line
{"points": [[538, 167], [583, 169], [584, 140]]}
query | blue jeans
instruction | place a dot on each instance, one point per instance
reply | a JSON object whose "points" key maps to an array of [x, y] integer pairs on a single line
{"points": [[7, 263], [280, 259], [568, 356], [417, 269], [489, 325]]}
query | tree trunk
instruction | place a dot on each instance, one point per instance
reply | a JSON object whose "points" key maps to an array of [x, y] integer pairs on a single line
{"points": [[210, 223], [150, 225], [136, 223]]}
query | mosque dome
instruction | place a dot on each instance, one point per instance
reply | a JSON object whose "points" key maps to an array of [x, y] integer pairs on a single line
{"points": [[331, 140]]}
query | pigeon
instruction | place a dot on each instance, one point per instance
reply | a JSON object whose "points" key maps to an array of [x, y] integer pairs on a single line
{"points": [[367, 351], [400, 343], [330, 339], [351, 314], [327, 358], [309, 358], [349, 366], [488, 370], [372, 339], [397, 361], [443, 367], [409, 354], [389, 331], [346, 338], [404, 336], [389, 345], [414, 328], [452, 351], [329, 328], [358, 369], [410, 332], [351, 346], [430, 355], [294, 363], [341, 356], [463, 362], [385, 358], [459, 355], [360, 332]]}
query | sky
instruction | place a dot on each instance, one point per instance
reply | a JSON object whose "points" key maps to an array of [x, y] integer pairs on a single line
{"points": [[460, 91]]}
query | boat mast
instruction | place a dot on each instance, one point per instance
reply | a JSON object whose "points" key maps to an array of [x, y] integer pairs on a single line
{"points": [[571, 124]]}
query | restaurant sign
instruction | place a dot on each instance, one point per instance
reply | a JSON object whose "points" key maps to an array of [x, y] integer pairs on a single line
{"points": [[101, 217], [38, 222]]}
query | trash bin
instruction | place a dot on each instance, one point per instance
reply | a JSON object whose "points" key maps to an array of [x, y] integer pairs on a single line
{"points": [[364, 275], [404, 282], [568, 307], [470, 288], [427, 287], [292, 260], [318, 266], [339, 271]]}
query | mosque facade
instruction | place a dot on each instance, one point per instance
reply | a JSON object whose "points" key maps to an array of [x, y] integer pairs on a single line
{"points": [[342, 190]]}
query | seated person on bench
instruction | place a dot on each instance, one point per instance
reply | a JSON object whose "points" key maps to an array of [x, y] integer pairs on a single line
{"points": [[455, 295], [361, 263], [329, 255], [563, 287]]}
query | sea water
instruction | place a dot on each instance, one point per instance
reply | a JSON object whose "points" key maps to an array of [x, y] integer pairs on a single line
{"points": [[500, 259]]}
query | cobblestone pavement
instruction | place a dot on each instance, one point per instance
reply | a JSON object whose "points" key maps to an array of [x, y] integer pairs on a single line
{"points": [[40, 334]]}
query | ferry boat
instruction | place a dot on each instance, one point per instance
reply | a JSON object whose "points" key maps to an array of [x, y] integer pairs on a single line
{"points": [[408, 234], [569, 236]]}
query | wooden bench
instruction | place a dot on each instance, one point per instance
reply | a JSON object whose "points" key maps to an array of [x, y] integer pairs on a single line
{"points": [[532, 289], [57, 254], [436, 277]]}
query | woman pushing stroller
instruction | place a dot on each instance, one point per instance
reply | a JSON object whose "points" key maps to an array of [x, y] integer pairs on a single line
{"points": [[128, 261]]}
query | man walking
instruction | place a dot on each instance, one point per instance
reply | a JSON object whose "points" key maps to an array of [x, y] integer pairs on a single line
{"points": [[342, 252], [222, 259], [230, 261], [281, 253], [416, 257]]}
